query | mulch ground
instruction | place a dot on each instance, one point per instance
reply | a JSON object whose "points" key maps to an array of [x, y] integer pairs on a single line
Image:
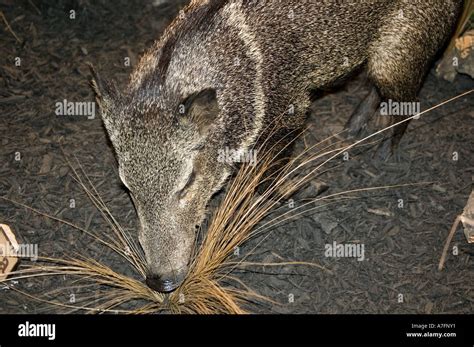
{"points": [[402, 244]]}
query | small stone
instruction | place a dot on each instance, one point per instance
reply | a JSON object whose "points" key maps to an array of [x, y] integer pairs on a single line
{"points": [[326, 224], [46, 164]]}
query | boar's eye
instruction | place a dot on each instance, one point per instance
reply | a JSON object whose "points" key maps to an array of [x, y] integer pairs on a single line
{"points": [[182, 193]]}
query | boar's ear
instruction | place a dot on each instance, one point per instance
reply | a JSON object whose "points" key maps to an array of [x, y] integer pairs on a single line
{"points": [[106, 92], [201, 109], [107, 96]]}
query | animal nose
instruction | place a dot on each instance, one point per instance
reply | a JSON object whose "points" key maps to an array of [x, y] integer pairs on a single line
{"points": [[161, 284]]}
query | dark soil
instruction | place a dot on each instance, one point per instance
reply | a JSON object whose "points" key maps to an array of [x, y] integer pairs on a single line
{"points": [[402, 244]]}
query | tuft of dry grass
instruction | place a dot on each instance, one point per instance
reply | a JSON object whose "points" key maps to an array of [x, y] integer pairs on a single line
{"points": [[210, 286]]}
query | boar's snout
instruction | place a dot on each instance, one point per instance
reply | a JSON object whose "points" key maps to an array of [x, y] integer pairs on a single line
{"points": [[164, 284], [167, 254], [165, 279]]}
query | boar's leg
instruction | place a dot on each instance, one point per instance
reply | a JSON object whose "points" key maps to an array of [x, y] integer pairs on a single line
{"points": [[400, 56], [280, 149], [366, 109]]}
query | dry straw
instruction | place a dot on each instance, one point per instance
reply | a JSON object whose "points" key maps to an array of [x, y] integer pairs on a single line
{"points": [[210, 286]]}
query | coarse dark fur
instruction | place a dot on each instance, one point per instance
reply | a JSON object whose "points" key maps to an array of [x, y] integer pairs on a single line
{"points": [[226, 71]]}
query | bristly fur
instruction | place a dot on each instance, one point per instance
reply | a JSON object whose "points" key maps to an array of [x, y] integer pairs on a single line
{"points": [[240, 67]]}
